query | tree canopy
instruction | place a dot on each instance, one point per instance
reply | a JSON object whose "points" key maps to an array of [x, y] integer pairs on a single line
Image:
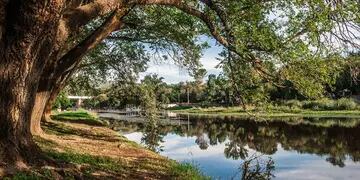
{"points": [[43, 43], [264, 41]]}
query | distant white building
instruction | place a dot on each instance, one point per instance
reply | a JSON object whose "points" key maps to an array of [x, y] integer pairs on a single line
{"points": [[170, 105], [79, 99]]}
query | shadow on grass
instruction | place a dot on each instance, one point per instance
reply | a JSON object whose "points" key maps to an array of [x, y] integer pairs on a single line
{"points": [[70, 164], [63, 130], [74, 166]]}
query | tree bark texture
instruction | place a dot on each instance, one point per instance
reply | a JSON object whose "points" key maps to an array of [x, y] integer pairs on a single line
{"points": [[26, 43], [41, 99]]}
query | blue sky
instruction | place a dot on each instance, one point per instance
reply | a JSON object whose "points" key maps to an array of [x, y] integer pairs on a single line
{"points": [[175, 74]]}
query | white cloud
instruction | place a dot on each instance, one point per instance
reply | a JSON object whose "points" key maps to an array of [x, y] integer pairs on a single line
{"points": [[174, 74]]}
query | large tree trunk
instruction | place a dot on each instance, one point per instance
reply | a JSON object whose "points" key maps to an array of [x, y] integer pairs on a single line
{"points": [[56, 75], [43, 94], [41, 100], [46, 95], [16, 145], [44, 100], [26, 44], [47, 83], [50, 102]]}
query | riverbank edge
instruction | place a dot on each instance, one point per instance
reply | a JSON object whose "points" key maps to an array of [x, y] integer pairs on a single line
{"points": [[98, 152], [302, 113]]}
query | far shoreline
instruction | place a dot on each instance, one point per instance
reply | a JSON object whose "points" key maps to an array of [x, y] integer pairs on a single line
{"points": [[300, 113]]}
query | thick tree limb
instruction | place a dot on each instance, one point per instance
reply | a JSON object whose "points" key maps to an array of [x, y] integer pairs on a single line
{"points": [[77, 17], [82, 15], [73, 57], [63, 68], [221, 14]]}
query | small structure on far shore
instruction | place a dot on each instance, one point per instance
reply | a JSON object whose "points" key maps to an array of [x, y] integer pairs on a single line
{"points": [[79, 99]]}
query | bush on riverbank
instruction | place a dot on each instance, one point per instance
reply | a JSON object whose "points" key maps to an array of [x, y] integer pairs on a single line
{"points": [[324, 104], [323, 107]]}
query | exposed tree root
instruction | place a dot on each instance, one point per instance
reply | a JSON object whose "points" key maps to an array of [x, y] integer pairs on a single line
{"points": [[23, 157]]}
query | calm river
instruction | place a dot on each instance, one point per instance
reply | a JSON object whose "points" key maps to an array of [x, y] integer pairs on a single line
{"points": [[229, 147]]}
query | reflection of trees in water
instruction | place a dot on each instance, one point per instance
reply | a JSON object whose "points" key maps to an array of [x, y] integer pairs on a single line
{"points": [[152, 137], [235, 148], [337, 160], [256, 169], [336, 142], [202, 142]]}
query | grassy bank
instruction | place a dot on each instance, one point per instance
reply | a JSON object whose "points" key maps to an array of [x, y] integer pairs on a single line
{"points": [[319, 108], [303, 113], [84, 151]]}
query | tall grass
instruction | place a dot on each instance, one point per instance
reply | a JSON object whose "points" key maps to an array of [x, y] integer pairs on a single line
{"points": [[329, 104], [187, 171]]}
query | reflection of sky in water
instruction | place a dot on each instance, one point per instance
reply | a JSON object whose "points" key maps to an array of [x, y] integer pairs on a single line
{"points": [[288, 164]]}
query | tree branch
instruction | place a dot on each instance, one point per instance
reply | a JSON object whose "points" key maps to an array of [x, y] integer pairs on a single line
{"points": [[74, 18], [191, 11], [73, 57]]}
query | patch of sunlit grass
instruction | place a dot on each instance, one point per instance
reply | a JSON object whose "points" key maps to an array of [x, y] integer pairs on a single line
{"points": [[80, 116]]}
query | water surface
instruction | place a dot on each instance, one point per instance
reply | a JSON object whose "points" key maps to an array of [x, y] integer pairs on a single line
{"points": [[225, 147]]}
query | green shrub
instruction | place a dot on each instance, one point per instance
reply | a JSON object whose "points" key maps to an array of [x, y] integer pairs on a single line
{"points": [[329, 104], [62, 101], [274, 108], [346, 104], [326, 104], [322, 104], [293, 103], [206, 104], [308, 104]]}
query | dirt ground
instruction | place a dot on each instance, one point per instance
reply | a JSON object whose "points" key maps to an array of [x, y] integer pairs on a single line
{"points": [[126, 159]]}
